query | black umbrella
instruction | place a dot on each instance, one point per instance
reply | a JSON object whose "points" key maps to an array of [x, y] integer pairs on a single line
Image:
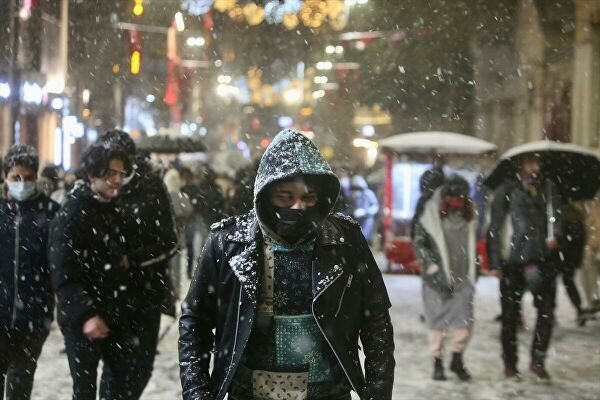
{"points": [[574, 169], [167, 144]]}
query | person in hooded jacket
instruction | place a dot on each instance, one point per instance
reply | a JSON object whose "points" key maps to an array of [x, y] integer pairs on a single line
{"points": [[89, 262], [365, 205], [25, 287], [149, 231], [289, 288], [429, 181], [444, 242], [525, 224]]}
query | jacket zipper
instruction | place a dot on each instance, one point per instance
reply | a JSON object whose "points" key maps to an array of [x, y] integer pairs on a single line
{"points": [[325, 336], [342, 296], [16, 270], [237, 325]]}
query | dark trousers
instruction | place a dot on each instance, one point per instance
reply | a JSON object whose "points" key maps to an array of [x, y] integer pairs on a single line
{"points": [[84, 355], [512, 287], [19, 353], [568, 277], [145, 324]]}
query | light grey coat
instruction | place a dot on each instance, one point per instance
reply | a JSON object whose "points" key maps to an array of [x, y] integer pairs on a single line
{"points": [[447, 303]]}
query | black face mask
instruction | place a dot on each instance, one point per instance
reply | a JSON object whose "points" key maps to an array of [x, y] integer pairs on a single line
{"points": [[292, 224]]}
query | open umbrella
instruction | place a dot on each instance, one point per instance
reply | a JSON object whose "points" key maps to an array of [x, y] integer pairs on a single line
{"points": [[574, 169], [437, 143], [171, 145]]}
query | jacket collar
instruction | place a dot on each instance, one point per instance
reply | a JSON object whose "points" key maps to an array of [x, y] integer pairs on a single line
{"points": [[247, 265]]}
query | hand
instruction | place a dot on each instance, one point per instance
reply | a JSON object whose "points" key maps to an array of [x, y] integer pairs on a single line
{"points": [[432, 269], [95, 328], [495, 272], [552, 243], [125, 262]]}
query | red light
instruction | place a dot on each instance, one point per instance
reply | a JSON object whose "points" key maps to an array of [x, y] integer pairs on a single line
{"points": [[265, 143]]}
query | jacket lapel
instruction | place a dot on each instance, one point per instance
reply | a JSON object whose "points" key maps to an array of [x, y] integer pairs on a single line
{"points": [[328, 261]]}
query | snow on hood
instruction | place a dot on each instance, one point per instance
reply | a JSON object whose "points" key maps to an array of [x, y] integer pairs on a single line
{"points": [[290, 155]]}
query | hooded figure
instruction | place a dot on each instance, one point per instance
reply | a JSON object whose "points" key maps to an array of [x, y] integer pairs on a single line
{"points": [[444, 242], [289, 288]]}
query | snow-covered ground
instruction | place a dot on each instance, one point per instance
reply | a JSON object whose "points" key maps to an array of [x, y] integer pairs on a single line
{"points": [[574, 360]]}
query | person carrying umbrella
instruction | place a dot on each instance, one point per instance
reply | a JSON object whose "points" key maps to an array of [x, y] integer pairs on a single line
{"points": [[525, 224]]}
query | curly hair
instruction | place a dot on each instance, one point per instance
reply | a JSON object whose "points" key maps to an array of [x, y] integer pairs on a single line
{"points": [[118, 140], [96, 159], [21, 155]]}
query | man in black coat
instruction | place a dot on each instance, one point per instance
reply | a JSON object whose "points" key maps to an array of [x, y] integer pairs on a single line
{"points": [[289, 288], [89, 265], [526, 220], [151, 239], [26, 297]]}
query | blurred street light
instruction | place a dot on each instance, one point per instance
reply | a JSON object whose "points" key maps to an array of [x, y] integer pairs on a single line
{"points": [[32, 93], [85, 96], [320, 79], [324, 65], [195, 41], [366, 143], [330, 49], [318, 94], [138, 8], [292, 96], [224, 90], [135, 62], [4, 90], [224, 79], [150, 98], [179, 21], [339, 49], [57, 103], [350, 3]]}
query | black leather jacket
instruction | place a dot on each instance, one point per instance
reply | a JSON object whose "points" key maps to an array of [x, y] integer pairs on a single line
{"points": [[350, 301]]}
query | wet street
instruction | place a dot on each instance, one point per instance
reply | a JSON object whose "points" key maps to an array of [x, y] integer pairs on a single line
{"points": [[574, 360]]}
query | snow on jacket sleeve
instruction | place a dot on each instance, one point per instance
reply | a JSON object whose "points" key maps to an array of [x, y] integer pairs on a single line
{"points": [[162, 226], [196, 338], [76, 304], [377, 334]]}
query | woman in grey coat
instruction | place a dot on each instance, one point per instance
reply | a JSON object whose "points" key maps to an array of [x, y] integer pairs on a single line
{"points": [[444, 243]]}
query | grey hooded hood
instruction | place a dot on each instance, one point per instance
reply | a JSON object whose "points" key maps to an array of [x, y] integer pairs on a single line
{"points": [[291, 155]]}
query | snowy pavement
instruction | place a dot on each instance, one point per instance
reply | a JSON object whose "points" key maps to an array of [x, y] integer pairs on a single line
{"points": [[574, 360]]}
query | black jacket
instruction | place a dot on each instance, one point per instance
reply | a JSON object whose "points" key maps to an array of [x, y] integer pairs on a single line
{"points": [[519, 224], [150, 236], [349, 299], [86, 249], [26, 297]]}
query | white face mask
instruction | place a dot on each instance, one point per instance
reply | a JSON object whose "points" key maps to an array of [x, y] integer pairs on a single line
{"points": [[21, 190], [129, 177]]}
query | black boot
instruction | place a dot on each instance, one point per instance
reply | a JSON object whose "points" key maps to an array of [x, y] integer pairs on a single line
{"points": [[537, 367], [438, 370], [458, 367]]}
